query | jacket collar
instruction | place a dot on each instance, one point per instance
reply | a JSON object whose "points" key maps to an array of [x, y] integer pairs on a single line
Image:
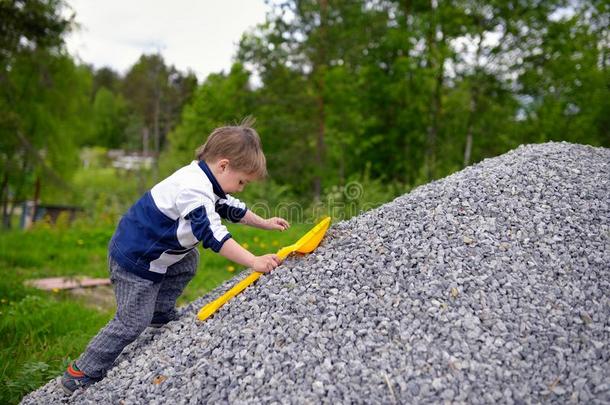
{"points": [[215, 185]]}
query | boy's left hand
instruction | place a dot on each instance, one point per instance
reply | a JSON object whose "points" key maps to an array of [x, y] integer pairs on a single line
{"points": [[277, 223]]}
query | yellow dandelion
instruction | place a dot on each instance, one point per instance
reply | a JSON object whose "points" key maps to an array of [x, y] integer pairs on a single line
{"points": [[256, 239], [245, 245], [55, 290], [275, 243], [230, 269], [263, 245]]}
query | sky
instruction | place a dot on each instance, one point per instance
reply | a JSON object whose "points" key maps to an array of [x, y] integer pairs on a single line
{"points": [[200, 35]]}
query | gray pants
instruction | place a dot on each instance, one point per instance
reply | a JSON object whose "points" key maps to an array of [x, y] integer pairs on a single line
{"points": [[137, 299]]}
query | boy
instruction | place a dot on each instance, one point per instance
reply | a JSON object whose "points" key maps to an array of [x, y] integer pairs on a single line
{"points": [[153, 252]]}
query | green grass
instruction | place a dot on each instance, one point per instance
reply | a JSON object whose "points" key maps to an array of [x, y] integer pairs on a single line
{"points": [[41, 332]]}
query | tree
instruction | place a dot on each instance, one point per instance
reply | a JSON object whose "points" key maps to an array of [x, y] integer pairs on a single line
{"points": [[29, 25], [44, 99], [109, 119], [566, 84], [222, 99], [417, 89], [155, 94], [107, 78]]}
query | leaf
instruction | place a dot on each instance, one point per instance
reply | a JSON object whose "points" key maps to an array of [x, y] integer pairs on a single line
{"points": [[159, 379]]}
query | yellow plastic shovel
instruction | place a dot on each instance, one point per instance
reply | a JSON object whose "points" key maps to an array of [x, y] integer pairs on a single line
{"points": [[306, 244]]}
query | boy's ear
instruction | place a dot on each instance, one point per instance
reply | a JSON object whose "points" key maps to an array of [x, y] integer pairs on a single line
{"points": [[223, 164]]}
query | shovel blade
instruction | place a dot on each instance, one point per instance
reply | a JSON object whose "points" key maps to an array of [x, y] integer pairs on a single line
{"points": [[312, 239], [308, 242]]}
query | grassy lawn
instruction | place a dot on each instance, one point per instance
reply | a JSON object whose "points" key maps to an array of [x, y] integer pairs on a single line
{"points": [[40, 332]]}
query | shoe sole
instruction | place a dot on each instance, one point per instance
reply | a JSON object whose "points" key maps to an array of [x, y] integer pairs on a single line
{"points": [[64, 388]]}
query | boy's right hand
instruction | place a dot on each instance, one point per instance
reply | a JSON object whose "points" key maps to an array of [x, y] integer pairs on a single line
{"points": [[266, 263]]}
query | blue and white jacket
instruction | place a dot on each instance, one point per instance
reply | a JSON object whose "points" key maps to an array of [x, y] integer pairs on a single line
{"points": [[171, 219]]}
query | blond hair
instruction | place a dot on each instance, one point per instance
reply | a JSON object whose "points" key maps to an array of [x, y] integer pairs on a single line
{"points": [[240, 144]]}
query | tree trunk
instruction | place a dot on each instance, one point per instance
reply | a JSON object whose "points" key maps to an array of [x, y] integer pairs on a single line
{"points": [[472, 109], [468, 148], [145, 141], [319, 146], [6, 221], [36, 198], [319, 70], [469, 126], [437, 63], [19, 186], [342, 165], [407, 10], [156, 133], [434, 126]]}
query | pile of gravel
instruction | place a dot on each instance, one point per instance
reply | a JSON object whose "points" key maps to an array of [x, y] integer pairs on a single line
{"points": [[492, 284]]}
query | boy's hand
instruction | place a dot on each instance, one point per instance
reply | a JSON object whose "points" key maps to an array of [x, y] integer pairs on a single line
{"points": [[266, 263], [277, 223]]}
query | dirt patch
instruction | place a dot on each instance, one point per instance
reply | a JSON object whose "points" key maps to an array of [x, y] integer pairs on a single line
{"points": [[100, 298]]}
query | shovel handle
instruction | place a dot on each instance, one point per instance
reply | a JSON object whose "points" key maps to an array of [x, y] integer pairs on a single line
{"points": [[213, 306], [285, 251]]}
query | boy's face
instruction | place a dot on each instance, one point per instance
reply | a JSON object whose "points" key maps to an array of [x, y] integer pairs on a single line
{"points": [[231, 181]]}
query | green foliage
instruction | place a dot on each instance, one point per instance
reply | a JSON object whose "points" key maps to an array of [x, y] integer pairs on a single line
{"points": [[391, 85], [44, 99], [105, 193], [155, 95], [220, 100], [110, 119], [108, 192], [30, 376], [568, 89], [359, 194], [107, 78], [25, 25], [341, 85], [45, 107]]}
